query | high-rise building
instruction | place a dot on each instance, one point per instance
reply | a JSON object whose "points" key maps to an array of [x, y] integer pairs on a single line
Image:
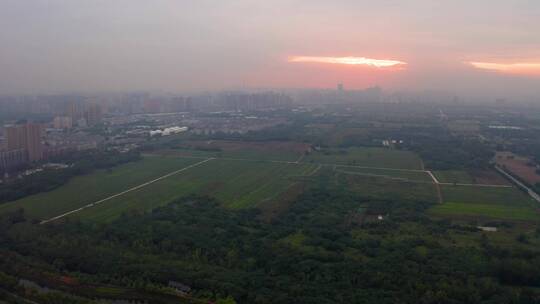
{"points": [[15, 137], [63, 122], [12, 159], [93, 114], [73, 110], [26, 136]]}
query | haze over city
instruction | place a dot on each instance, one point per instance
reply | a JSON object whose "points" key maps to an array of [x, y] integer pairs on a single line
{"points": [[270, 151], [469, 48]]}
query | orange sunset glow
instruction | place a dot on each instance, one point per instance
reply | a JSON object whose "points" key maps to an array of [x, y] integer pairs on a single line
{"points": [[378, 63], [530, 68]]}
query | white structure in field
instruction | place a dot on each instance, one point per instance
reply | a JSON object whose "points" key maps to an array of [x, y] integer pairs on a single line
{"points": [[168, 131]]}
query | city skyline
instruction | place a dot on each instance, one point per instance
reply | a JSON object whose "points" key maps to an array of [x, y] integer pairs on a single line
{"points": [[453, 46]]}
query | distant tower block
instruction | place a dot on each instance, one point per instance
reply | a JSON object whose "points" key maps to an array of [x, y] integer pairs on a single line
{"points": [[340, 87]]}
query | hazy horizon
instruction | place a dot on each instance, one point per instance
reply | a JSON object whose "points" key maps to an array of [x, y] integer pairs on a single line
{"points": [[485, 48]]}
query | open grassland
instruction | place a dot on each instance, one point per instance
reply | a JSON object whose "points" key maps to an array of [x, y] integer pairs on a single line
{"points": [[486, 211], [454, 176], [368, 157], [238, 184], [89, 188]]}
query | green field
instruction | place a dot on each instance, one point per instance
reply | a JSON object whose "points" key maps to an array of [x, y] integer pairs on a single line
{"points": [[486, 210], [240, 154], [485, 195], [238, 184], [384, 188], [386, 173], [453, 176], [486, 202], [82, 190], [369, 157]]}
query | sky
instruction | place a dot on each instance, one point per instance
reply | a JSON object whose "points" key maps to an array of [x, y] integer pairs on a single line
{"points": [[466, 47]]}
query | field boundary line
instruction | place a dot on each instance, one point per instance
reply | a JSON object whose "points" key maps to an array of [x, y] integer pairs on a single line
{"points": [[435, 180], [125, 191], [476, 185], [402, 179], [298, 162]]}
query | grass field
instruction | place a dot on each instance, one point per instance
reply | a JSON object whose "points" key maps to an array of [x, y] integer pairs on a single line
{"points": [[486, 210], [484, 195], [483, 202], [384, 188], [369, 157], [452, 176], [85, 189], [386, 173], [238, 184], [255, 180], [243, 154]]}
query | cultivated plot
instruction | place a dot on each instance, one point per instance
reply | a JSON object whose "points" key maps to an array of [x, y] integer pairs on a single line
{"points": [[486, 211], [501, 196], [267, 150], [480, 202], [398, 175], [86, 189], [238, 184], [454, 176], [369, 157], [385, 188]]}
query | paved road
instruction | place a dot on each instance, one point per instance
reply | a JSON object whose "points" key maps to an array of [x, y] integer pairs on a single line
{"points": [[531, 193], [124, 192]]}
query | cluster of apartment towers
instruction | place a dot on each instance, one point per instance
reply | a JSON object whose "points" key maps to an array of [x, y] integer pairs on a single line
{"points": [[24, 141]]}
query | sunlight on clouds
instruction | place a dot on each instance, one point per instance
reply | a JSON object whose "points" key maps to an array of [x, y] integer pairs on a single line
{"points": [[378, 63], [511, 68]]}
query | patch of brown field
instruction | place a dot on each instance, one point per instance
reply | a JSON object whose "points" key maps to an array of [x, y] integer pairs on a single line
{"points": [[518, 166], [273, 208], [488, 177], [226, 145], [464, 126]]}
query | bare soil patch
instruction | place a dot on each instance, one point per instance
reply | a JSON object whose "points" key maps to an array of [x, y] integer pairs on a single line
{"points": [[518, 165], [488, 177]]}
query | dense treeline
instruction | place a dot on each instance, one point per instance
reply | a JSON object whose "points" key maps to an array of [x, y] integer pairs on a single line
{"points": [[49, 179], [328, 247]]}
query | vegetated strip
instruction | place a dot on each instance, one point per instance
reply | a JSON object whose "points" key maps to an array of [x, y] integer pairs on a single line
{"points": [[124, 192]]}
